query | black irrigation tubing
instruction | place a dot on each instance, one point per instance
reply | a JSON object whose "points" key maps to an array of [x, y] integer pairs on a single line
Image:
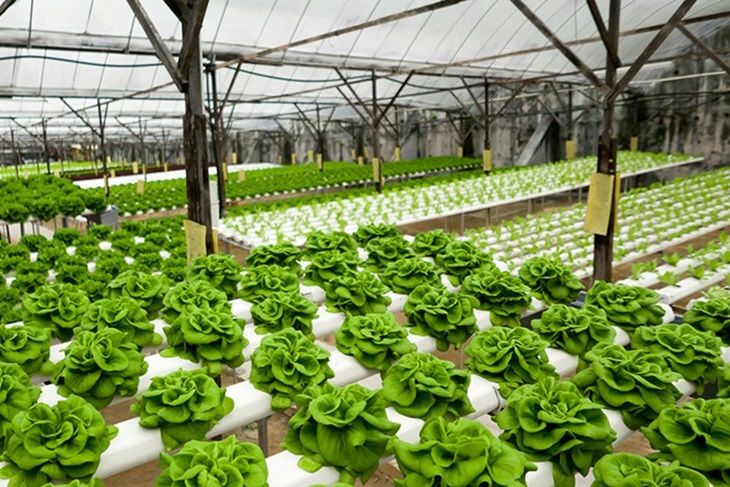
{"points": [[295, 80], [75, 61]]}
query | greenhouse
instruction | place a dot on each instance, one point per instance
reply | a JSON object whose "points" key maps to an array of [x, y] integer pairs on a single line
{"points": [[285, 243]]}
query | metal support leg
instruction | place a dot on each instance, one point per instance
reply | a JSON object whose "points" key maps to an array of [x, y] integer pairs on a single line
{"points": [[263, 429], [462, 224]]}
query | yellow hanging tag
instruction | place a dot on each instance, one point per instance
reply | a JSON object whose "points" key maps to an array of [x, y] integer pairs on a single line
{"points": [[135, 167], [487, 160], [320, 163], [459, 151], [241, 176], [140, 186], [600, 202], [396, 154], [194, 240], [634, 145]]}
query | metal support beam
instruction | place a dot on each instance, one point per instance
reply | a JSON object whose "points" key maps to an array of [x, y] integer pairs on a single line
{"points": [[46, 152], [395, 97], [376, 134], [703, 47], [102, 145], [487, 140], [598, 20], [6, 5], [81, 117], [220, 149]]}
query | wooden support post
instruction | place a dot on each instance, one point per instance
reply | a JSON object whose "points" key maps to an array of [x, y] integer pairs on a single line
{"points": [[102, 126], [570, 146], [377, 171], [14, 150], [487, 152], [46, 152], [218, 134]]}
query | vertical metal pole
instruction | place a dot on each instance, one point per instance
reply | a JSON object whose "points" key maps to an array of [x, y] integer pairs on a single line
{"points": [[216, 128], [376, 142], [487, 140], [14, 153], [102, 126]]}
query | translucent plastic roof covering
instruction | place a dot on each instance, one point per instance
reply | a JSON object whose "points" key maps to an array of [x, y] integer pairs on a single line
{"points": [[86, 50]]}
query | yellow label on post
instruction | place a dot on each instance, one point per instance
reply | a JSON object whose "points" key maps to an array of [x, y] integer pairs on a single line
{"points": [[135, 167], [459, 151], [570, 149], [293, 159], [113, 173], [108, 159], [600, 203], [225, 172], [616, 197], [144, 169], [166, 167], [353, 154], [279, 159], [57, 173], [234, 158], [396, 154], [360, 161], [366, 151], [194, 240], [241, 176], [214, 238], [487, 160], [140, 186], [310, 155], [634, 144], [377, 170], [320, 164]]}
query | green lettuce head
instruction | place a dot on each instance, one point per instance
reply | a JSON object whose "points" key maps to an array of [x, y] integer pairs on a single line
{"points": [[149, 290], [376, 340], [436, 312], [430, 244], [366, 233], [282, 310], [318, 241], [221, 270], [723, 382], [210, 336], [575, 330], [697, 435], [422, 386], [345, 427], [61, 442], [286, 363], [382, 251], [551, 420], [192, 294], [58, 307], [328, 264], [229, 463], [459, 454], [124, 314], [404, 275], [636, 382], [283, 255], [263, 280], [460, 258], [185, 405], [27, 346], [627, 307], [550, 280], [510, 357], [98, 366], [502, 294], [357, 293], [711, 315], [78, 483], [17, 394], [629, 470]]}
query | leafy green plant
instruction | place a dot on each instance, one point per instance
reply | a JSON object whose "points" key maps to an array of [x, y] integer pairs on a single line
{"points": [[420, 385], [404, 275], [12, 256], [502, 294], [575, 330], [459, 454], [210, 336], [431, 244], [33, 242], [636, 382], [698, 272], [221, 270], [148, 289], [325, 265], [192, 294], [460, 258], [384, 250], [58, 307], [671, 259], [627, 307], [66, 235], [318, 241], [60, 442], [26, 346], [124, 314], [282, 310], [552, 420], [71, 269], [550, 280], [357, 293], [696, 435], [263, 280], [98, 366], [284, 255], [376, 340], [78, 483], [10, 305], [627, 469], [17, 394], [712, 315], [510, 357], [669, 278], [228, 462], [345, 427], [29, 276], [185, 405], [448, 317], [51, 251], [366, 233], [285, 364]]}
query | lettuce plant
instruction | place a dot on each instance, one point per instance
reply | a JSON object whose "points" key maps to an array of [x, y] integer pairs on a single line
{"points": [[357, 293], [17, 394], [376, 340], [404, 275], [51, 251], [260, 281], [696, 435], [550, 280], [459, 454], [98, 366], [13, 256], [185, 405], [628, 470], [430, 244], [318, 242], [345, 427], [552, 420], [328, 264], [281, 310], [60, 442], [149, 290], [58, 307], [284, 255], [221, 270], [32, 242], [575, 330], [124, 314], [713, 315], [210, 336], [26, 346], [95, 482], [420, 385], [382, 251], [228, 462], [502, 294], [436, 312], [627, 307], [10, 305], [29, 276], [723, 382], [366, 233], [636, 382], [174, 268], [111, 262], [694, 354], [192, 294], [286, 363], [510, 357], [71, 269], [460, 258]]}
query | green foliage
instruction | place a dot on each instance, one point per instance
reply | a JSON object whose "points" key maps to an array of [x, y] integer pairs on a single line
{"points": [[283, 255], [627, 307], [711, 315], [221, 270], [17, 394], [402, 276], [282, 310], [71, 269], [366, 233], [384, 250], [148, 289], [629, 470], [502, 294], [58, 307], [357, 293], [460, 258], [26, 346], [263, 280], [319, 242], [550, 280], [325, 265], [376, 340], [431, 244], [192, 294], [575, 330]]}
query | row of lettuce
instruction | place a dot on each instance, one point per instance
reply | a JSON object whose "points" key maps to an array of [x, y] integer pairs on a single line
{"points": [[347, 427]]}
